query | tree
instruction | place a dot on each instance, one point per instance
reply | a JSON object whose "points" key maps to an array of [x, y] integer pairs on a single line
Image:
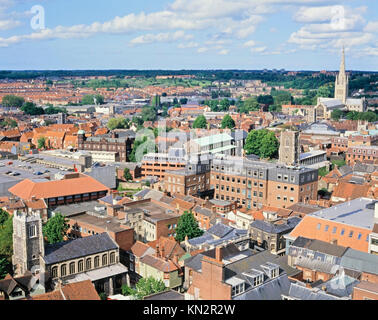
{"points": [[4, 216], [155, 102], [12, 101], [5, 267], [187, 226], [267, 99], [9, 123], [183, 101], [41, 143], [147, 286], [92, 99], [228, 122], [55, 110], [30, 108], [336, 114], [148, 113], [118, 123], [200, 122], [248, 105], [127, 291], [262, 143], [6, 239], [269, 146], [127, 175], [55, 229]]}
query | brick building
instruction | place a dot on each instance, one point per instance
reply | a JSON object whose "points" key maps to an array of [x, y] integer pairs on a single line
{"points": [[73, 188], [363, 154], [348, 224], [156, 164], [107, 143], [255, 183]]}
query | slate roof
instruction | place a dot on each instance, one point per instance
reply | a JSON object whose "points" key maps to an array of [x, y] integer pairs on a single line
{"points": [[300, 292], [271, 289], [217, 235], [276, 228], [77, 248], [360, 261], [319, 246], [166, 296]]}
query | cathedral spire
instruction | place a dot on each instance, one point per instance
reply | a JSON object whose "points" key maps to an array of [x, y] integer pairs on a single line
{"points": [[342, 65]]}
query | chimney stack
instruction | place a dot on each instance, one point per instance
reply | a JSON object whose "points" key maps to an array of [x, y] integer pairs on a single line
{"points": [[162, 251], [175, 259], [157, 251], [218, 254]]}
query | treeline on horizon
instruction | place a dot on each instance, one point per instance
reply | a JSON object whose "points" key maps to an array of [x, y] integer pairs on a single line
{"points": [[302, 80]]}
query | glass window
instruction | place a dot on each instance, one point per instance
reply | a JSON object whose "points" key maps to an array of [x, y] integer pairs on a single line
{"points": [[351, 234], [342, 232], [326, 228], [318, 226], [334, 229]]}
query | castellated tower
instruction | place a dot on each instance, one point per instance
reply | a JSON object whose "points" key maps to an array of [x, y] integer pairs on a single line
{"points": [[290, 149], [28, 243], [342, 82]]}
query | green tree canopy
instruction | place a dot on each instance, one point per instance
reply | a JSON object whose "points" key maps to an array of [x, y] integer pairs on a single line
{"points": [[6, 239], [148, 113], [269, 146], [200, 122], [248, 105], [145, 287], [118, 123], [55, 229], [262, 143], [55, 110], [5, 267], [228, 122], [12, 101], [336, 114], [7, 122], [30, 108], [4, 216], [127, 175], [266, 99], [187, 226], [90, 99], [41, 143]]}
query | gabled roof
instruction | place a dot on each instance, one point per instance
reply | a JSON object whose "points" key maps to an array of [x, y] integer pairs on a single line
{"points": [[270, 227], [360, 261], [78, 248], [83, 290], [27, 188]]}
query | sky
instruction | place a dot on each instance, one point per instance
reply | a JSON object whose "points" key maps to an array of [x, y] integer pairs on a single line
{"points": [[188, 34]]}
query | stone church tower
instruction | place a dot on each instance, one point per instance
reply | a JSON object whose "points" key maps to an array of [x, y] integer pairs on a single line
{"points": [[342, 82], [28, 244], [290, 148]]}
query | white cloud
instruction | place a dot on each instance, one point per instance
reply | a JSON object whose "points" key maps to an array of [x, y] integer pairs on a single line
{"points": [[249, 43], [161, 37], [188, 45], [224, 52], [202, 50], [330, 27], [9, 24], [372, 26], [258, 49]]}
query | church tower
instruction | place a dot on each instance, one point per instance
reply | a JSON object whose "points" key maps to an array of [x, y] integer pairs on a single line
{"points": [[290, 148], [342, 82], [28, 244]]}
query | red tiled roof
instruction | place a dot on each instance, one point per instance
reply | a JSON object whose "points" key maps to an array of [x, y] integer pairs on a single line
{"points": [[26, 189]]}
